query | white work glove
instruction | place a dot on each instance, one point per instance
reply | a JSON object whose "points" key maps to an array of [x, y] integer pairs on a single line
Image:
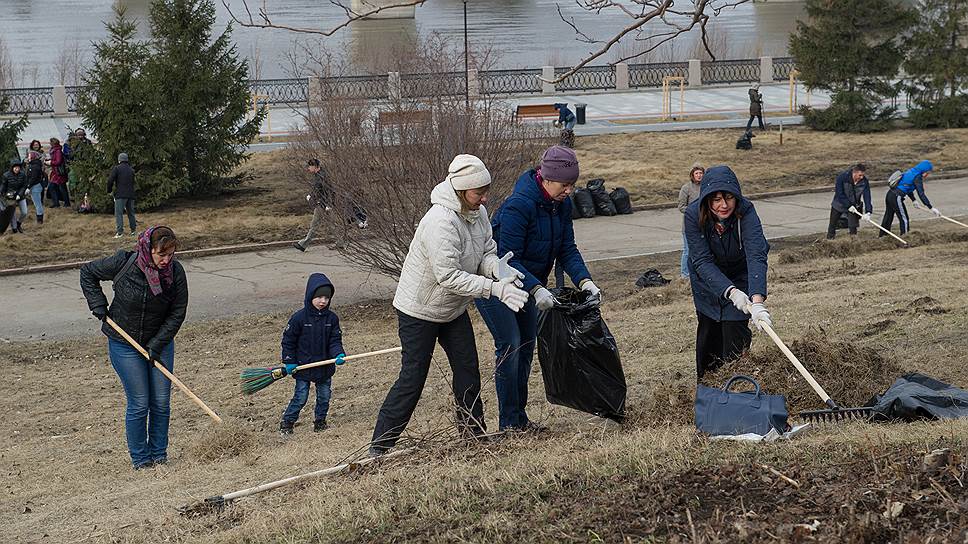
{"points": [[740, 299], [866, 216], [543, 299], [308, 198], [853, 209], [505, 270], [936, 212], [760, 316], [592, 289], [511, 296]]}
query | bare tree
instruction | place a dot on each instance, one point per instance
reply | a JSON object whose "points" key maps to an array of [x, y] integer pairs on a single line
{"points": [[256, 63], [6, 66], [69, 63], [263, 19]]}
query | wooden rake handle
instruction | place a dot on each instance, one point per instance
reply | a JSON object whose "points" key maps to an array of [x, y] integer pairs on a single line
{"points": [[796, 363], [896, 237], [184, 388], [945, 217], [347, 358]]}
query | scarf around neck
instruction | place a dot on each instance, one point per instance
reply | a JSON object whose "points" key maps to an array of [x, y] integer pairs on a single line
{"points": [[153, 274]]}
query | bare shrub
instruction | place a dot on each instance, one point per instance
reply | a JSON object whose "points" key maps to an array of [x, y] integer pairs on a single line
{"points": [[386, 158], [6, 66], [69, 63]]}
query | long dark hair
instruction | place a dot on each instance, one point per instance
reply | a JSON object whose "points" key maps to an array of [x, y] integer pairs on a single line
{"points": [[706, 216]]}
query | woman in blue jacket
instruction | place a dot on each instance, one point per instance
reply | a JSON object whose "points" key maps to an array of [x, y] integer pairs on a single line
{"points": [[727, 260], [534, 224], [912, 181]]}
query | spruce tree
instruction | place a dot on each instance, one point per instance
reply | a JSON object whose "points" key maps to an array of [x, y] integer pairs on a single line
{"points": [[9, 135], [200, 94], [937, 64], [852, 49]]}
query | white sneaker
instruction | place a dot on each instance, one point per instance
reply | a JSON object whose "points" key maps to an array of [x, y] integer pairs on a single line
{"points": [[361, 224], [119, 235]]}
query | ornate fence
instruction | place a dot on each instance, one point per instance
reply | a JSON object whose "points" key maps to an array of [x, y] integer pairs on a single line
{"points": [[510, 81], [418, 85], [730, 71], [281, 91], [782, 66], [32, 100], [587, 78], [369, 87], [650, 75]]}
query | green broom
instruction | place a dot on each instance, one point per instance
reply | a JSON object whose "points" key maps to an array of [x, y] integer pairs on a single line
{"points": [[257, 379]]}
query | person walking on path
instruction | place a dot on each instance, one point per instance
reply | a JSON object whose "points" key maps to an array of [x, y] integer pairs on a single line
{"points": [[58, 175], [756, 107], [312, 334], [15, 187], [687, 195], [452, 260], [912, 181], [35, 180], [852, 192], [121, 181], [322, 199], [534, 227], [727, 260], [150, 302]]}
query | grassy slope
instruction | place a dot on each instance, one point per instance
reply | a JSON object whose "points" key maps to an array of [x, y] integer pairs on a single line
{"points": [[64, 458], [270, 207]]}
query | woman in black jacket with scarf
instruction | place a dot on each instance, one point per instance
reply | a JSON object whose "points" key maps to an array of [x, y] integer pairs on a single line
{"points": [[150, 301]]}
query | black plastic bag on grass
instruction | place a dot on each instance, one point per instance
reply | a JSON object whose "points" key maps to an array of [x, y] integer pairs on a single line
{"points": [[622, 200], [651, 278], [584, 202], [915, 396], [603, 203], [579, 358]]}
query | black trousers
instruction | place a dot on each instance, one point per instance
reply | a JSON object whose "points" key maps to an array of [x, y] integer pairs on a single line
{"points": [[418, 338], [894, 204], [853, 221], [759, 118], [718, 342]]}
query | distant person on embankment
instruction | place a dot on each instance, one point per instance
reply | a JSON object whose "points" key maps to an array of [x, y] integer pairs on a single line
{"points": [[687, 195], [566, 117], [321, 197], [150, 302], [756, 107], [852, 192], [121, 181], [727, 260], [911, 181]]}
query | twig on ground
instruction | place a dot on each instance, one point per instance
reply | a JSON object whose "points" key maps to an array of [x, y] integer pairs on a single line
{"points": [[782, 476]]}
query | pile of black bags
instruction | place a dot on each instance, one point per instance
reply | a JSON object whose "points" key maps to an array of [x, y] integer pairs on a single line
{"points": [[595, 200]]}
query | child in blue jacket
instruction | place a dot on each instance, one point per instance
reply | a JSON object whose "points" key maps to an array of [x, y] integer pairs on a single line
{"points": [[313, 334]]}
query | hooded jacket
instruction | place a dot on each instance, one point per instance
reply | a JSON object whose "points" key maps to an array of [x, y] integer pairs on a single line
{"points": [[450, 262], [846, 193], [913, 180], [15, 183], [736, 258], [756, 102], [313, 335], [564, 114], [539, 231]]}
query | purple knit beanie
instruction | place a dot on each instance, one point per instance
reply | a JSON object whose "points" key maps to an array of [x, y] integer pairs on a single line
{"points": [[559, 163]]}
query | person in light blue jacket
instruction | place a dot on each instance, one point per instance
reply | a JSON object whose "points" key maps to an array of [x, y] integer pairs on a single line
{"points": [[912, 181]]}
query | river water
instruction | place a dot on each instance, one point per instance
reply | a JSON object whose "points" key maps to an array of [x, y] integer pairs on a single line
{"points": [[522, 33]]}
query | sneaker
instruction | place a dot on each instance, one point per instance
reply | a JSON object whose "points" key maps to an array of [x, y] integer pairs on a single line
{"points": [[361, 224], [134, 233], [532, 427], [320, 425], [145, 465], [377, 451], [160, 461], [119, 235], [285, 428], [298, 246]]}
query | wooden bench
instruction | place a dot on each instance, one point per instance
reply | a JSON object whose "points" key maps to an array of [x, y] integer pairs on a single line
{"points": [[405, 117], [525, 111]]}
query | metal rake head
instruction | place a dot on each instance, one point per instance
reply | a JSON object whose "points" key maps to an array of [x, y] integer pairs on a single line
{"points": [[836, 415]]}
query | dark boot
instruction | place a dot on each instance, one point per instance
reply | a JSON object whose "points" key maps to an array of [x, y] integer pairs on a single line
{"points": [[40, 219], [285, 428], [19, 228], [320, 425]]}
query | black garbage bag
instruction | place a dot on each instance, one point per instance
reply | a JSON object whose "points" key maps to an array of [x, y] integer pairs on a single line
{"points": [[575, 212], [7, 207], [651, 278], [584, 202], [622, 200], [916, 396], [603, 204], [579, 358]]}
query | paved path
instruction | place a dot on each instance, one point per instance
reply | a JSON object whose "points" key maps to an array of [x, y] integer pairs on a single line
{"points": [[51, 305]]}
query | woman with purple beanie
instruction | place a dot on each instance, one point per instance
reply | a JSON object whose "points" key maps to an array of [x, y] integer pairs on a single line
{"points": [[534, 225]]}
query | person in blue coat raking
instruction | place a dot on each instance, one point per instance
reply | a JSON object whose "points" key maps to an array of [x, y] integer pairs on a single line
{"points": [[852, 193], [727, 260], [534, 226], [312, 334], [912, 181], [566, 117]]}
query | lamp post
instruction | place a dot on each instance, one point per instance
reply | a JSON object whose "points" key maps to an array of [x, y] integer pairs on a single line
{"points": [[467, 96]]}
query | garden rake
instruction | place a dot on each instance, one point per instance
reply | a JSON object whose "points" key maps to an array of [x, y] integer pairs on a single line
{"points": [[945, 217], [834, 413], [257, 379], [896, 237]]}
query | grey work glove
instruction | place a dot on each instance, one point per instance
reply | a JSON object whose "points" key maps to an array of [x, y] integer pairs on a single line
{"points": [[853, 210], [936, 212], [511, 296], [866, 216], [505, 270], [740, 299], [543, 299], [760, 316]]}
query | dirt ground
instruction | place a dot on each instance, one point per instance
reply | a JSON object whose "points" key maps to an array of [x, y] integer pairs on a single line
{"points": [[270, 205], [844, 306]]}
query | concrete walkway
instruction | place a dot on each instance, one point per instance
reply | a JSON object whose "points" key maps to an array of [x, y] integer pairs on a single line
{"points": [[50, 305]]}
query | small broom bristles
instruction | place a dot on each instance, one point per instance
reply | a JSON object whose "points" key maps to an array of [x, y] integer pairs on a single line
{"points": [[257, 379]]}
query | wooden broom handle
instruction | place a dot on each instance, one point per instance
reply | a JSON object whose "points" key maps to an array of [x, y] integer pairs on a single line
{"points": [[184, 388], [347, 358]]}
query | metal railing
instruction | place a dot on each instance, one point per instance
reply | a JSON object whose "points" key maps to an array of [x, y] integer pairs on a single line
{"points": [[368, 87], [31, 100], [650, 75], [510, 81], [587, 78], [730, 71], [73, 95], [782, 66], [281, 91], [422, 85]]}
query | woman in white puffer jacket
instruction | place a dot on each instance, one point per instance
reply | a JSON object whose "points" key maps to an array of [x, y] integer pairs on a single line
{"points": [[452, 260]]}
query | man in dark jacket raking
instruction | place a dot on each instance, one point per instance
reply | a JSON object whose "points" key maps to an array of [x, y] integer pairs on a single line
{"points": [[852, 193], [121, 181], [312, 334], [14, 187]]}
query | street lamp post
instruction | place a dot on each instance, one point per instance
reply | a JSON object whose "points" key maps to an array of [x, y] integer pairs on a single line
{"points": [[467, 96]]}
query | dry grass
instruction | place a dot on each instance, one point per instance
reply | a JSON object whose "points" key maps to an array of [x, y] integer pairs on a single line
{"points": [[65, 461]]}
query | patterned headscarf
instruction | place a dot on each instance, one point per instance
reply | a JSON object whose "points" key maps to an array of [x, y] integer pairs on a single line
{"points": [[153, 274]]}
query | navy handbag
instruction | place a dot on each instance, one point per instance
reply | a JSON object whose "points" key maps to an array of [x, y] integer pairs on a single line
{"points": [[721, 412]]}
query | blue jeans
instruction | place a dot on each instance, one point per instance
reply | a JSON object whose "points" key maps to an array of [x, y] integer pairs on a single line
{"points": [[301, 395], [120, 206], [570, 123], [35, 193], [148, 394], [684, 262], [514, 341]]}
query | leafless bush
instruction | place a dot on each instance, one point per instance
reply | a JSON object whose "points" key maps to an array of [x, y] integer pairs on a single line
{"points": [[6, 66], [69, 63], [256, 63], [386, 158]]}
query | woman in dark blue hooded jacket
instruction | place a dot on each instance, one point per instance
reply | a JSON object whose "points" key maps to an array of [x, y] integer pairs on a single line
{"points": [[312, 334], [534, 225], [727, 260]]}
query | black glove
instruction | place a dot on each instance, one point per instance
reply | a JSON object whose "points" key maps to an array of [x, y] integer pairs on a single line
{"points": [[101, 312], [155, 354]]}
